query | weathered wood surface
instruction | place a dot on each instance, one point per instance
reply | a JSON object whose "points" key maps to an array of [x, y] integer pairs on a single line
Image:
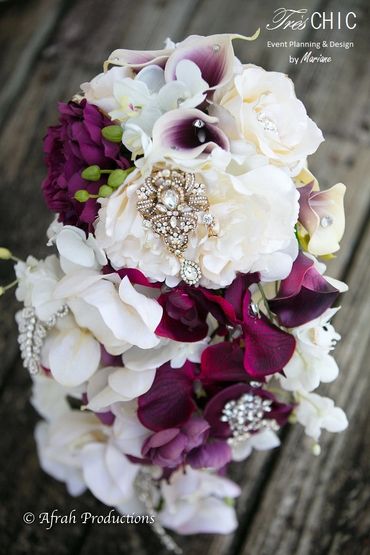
{"points": [[292, 503]]}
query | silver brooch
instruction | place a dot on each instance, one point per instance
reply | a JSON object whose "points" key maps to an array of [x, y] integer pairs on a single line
{"points": [[247, 415], [32, 333], [172, 203]]}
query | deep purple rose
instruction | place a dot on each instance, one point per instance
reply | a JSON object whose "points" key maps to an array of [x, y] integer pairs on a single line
{"points": [[69, 147]]}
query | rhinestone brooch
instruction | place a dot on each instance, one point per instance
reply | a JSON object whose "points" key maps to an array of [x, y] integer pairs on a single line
{"points": [[172, 203], [32, 333], [247, 415]]}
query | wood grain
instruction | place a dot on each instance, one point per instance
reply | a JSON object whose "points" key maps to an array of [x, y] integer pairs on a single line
{"points": [[291, 503]]}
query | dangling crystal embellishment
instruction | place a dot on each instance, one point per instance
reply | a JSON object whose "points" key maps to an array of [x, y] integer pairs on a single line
{"points": [[190, 272], [32, 333], [173, 204]]}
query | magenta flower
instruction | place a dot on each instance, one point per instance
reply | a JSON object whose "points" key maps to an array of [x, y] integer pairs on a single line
{"points": [[304, 295], [267, 348], [169, 402], [170, 448], [183, 318], [222, 363], [69, 147]]}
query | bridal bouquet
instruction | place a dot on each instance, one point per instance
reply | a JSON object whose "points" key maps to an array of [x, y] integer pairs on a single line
{"points": [[184, 316]]}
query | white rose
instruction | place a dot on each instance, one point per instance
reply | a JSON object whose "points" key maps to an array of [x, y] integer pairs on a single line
{"points": [[261, 107]]}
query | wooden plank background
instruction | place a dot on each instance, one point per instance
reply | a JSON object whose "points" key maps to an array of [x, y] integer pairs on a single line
{"points": [[292, 503]]}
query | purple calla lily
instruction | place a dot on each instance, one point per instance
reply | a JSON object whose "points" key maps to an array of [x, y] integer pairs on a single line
{"points": [[214, 55], [137, 59], [304, 295], [189, 133]]}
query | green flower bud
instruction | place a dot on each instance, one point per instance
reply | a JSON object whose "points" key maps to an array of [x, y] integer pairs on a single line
{"points": [[82, 195], [5, 254], [116, 178], [112, 133], [105, 191], [229, 501], [91, 173]]}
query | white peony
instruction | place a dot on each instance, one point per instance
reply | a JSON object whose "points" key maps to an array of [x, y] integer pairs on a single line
{"points": [[255, 215], [261, 107]]}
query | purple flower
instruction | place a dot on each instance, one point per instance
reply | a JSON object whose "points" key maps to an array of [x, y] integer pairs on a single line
{"points": [[169, 402], [267, 348], [186, 445], [183, 318], [69, 147], [189, 132], [169, 448], [304, 295]]}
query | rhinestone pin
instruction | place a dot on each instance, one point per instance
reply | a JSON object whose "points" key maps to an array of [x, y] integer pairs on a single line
{"points": [[32, 333], [247, 415]]}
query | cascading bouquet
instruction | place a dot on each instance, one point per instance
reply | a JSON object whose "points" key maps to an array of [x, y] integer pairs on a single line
{"points": [[186, 316]]}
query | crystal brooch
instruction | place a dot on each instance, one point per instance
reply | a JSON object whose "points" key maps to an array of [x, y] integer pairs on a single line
{"points": [[172, 203], [247, 415]]}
